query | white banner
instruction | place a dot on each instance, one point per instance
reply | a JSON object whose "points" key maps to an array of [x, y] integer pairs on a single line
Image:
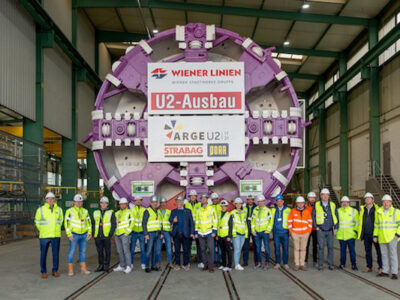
{"points": [[196, 88], [196, 138]]}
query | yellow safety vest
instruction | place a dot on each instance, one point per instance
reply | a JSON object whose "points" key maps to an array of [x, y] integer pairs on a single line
{"points": [[124, 222], [387, 225], [106, 222], [261, 220], [240, 223], [194, 208], [77, 221], [285, 216], [217, 208], [320, 214], [206, 220], [166, 225], [48, 221], [361, 218], [137, 218], [154, 220], [348, 223], [223, 225]]}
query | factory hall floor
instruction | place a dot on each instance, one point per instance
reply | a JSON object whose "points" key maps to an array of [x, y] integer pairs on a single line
{"points": [[20, 279]]}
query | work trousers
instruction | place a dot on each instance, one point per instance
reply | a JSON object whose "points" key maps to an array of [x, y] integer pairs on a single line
{"points": [[135, 236], [300, 248], [123, 243], [281, 240], [262, 237], [389, 257], [325, 237], [368, 241], [246, 249], [103, 246], [226, 251], [313, 237], [181, 240], [351, 244], [55, 249], [204, 242], [238, 242], [79, 239]]}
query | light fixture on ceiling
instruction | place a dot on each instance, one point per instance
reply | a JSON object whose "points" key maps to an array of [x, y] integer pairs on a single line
{"points": [[305, 5], [286, 43], [155, 30]]}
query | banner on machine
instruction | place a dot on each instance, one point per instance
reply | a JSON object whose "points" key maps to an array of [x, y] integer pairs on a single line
{"points": [[196, 138], [196, 88]]}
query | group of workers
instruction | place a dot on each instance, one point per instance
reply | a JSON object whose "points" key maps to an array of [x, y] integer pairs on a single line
{"points": [[222, 235]]}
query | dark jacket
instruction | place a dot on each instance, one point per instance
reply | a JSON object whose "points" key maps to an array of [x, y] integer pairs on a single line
{"points": [[188, 226]]}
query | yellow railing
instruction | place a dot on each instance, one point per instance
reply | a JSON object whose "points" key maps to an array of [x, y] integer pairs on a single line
{"points": [[57, 190], [11, 185]]}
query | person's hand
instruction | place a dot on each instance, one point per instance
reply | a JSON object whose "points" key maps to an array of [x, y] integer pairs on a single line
{"points": [[196, 236], [254, 234], [113, 239], [161, 237], [146, 237], [192, 236], [176, 220], [317, 229], [228, 239], [88, 237], [71, 238], [92, 238], [213, 234], [334, 231], [396, 237], [375, 240]]}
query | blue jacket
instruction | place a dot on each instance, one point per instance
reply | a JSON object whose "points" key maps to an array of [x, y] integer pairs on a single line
{"points": [[188, 225]]}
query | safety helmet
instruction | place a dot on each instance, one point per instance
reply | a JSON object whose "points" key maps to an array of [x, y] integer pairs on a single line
{"points": [[260, 198], [325, 191], [368, 195], [179, 198], [50, 195], [300, 199], [278, 197], [123, 200], [104, 199], [138, 198], [153, 199], [250, 197], [387, 197], [311, 194], [224, 203], [238, 201], [193, 193], [345, 199], [203, 195], [214, 196], [78, 198], [163, 199]]}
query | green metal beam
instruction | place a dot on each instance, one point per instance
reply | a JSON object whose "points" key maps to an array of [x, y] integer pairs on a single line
{"points": [[41, 17], [227, 10], [344, 127], [373, 53], [303, 76], [322, 136]]}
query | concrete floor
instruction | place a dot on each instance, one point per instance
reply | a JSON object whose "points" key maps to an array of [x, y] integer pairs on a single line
{"points": [[20, 279]]}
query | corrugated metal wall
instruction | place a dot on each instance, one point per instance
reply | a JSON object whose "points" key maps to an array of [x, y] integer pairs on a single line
{"points": [[61, 13], [17, 59], [85, 38], [85, 104], [57, 91]]}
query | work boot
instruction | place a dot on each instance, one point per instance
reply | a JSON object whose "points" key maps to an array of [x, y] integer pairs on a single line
{"points": [[70, 269], [84, 270], [106, 268], [187, 267], [394, 276], [315, 265], [177, 268], [277, 266], [331, 268], [257, 266], [303, 268], [205, 268], [148, 270], [354, 268], [382, 275], [44, 275], [367, 270], [245, 264], [286, 267], [266, 266], [55, 274], [341, 267], [211, 270], [379, 270], [296, 268], [100, 268], [320, 268]]}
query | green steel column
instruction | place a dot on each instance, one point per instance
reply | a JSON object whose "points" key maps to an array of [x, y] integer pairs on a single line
{"points": [[374, 100], [322, 135], [69, 146], [307, 155], [344, 127], [92, 175]]}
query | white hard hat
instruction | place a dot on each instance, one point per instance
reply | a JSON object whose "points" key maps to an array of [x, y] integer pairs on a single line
{"points": [[250, 197], [345, 199], [50, 195], [78, 198], [163, 199], [138, 197], [104, 199], [368, 195], [153, 199], [260, 198], [179, 198], [325, 191], [238, 201], [204, 195], [300, 199], [387, 197], [311, 194], [123, 200], [193, 193], [214, 196], [224, 203]]}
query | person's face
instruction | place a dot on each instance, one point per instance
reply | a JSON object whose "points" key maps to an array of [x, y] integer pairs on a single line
{"points": [[163, 205], [138, 202], [78, 203], [280, 202], [238, 206], [311, 199], [261, 203], [369, 200], [325, 197], [204, 200], [154, 205], [123, 205], [345, 203], [103, 205], [224, 208], [386, 204], [300, 205], [215, 201], [193, 198], [179, 203], [50, 201], [250, 201]]}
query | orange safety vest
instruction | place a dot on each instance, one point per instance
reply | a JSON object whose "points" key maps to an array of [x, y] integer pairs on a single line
{"points": [[300, 222]]}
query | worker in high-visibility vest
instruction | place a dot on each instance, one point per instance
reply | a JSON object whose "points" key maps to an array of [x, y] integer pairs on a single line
{"points": [[217, 206], [78, 228], [122, 236], [194, 206], [325, 220], [312, 198], [250, 206], [103, 227], [48, 220], [164, 214], [205, 230], [261, 226], [387, 233], [240, 231], [224, 236], [152, 227], [347, 232], [137, 231]]}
